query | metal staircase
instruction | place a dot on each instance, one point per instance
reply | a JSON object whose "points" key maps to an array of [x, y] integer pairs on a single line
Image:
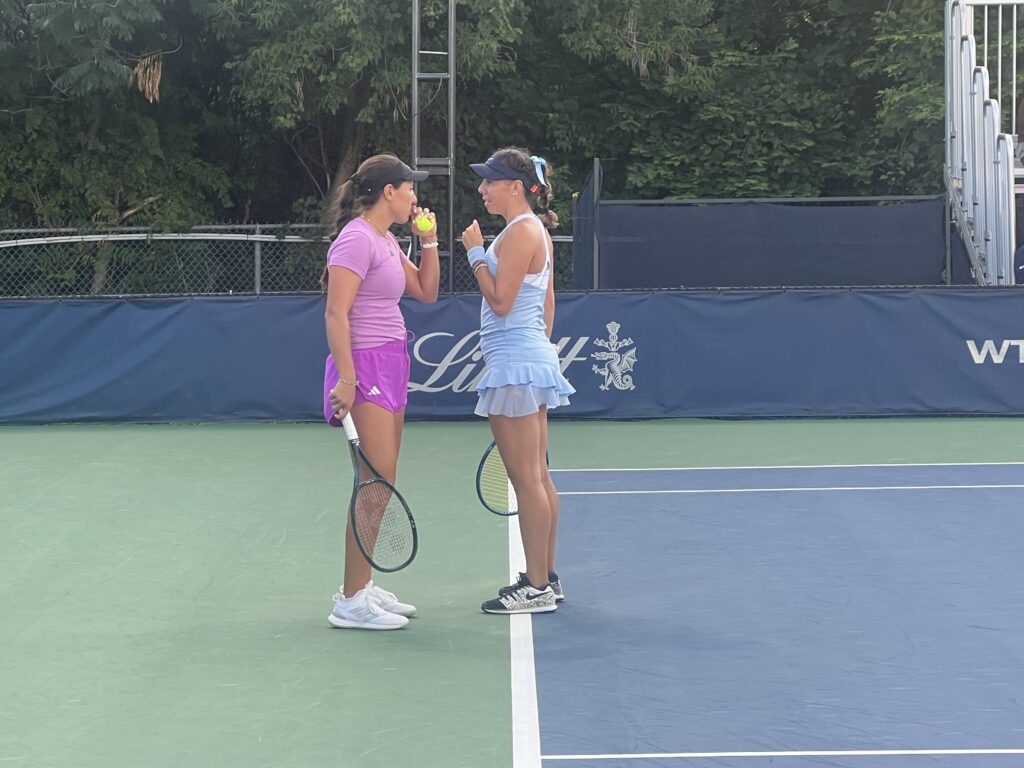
{"points": [[980, 174]]}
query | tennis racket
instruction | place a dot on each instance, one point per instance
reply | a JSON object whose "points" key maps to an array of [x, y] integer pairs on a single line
{"points": [[384, 529], [493, 486]]}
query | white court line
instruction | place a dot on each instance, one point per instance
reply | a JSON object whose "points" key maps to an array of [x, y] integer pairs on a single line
{"points": [[525, 720], [792, 490], [831, 753], [800, 466]]}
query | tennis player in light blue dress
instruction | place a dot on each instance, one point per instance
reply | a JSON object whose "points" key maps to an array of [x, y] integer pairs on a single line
{"points": [[523, 378]]}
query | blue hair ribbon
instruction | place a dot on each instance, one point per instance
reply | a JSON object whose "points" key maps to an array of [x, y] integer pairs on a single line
{"points": [[539, 164]]}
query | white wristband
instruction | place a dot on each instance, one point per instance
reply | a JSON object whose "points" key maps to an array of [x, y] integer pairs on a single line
{"points": [[476, 254]]}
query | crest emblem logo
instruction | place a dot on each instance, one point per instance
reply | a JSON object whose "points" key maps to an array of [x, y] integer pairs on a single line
{"points": [[617, 363]]}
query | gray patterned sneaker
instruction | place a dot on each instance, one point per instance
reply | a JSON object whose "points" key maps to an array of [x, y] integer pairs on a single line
{"points": [[553, 580], [556, 587], [522, 581], [524, 599]]}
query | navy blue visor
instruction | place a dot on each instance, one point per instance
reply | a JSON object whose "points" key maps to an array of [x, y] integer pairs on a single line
{"points": [[497, 170]]}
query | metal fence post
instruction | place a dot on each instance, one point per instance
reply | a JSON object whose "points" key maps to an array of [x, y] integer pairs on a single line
{"points": [[595, 207], [948, 225], [258, 266]]}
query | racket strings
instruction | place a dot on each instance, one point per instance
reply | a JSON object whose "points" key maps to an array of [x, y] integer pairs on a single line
{"points": [[495, 487], [383, 526]]}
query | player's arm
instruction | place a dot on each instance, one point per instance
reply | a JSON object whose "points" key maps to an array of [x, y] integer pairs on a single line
{"points": [[549, 298], [341, 293], [423, 282]]}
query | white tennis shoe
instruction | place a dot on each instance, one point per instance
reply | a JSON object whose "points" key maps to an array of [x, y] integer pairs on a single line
{"points": [[386, 600], [362, 611], [390, 603]]}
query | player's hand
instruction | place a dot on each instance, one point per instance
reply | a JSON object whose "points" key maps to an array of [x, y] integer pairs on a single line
{"points": [[471, 236], [425, 235], [341, 398]]}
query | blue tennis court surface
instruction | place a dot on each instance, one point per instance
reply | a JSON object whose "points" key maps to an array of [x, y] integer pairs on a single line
{"points": [[859, 616]]}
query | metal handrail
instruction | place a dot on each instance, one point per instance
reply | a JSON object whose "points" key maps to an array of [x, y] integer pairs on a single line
{"points": [[979, 157]]}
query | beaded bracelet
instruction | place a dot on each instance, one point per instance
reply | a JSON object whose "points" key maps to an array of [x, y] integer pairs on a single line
{"points": [[346, 381], [429, 245]]}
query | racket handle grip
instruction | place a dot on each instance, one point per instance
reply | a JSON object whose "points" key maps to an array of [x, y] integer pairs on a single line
{"points": [[350, 428]]}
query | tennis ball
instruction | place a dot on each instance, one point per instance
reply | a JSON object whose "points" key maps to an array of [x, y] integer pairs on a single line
{"points": [[424, 223]]}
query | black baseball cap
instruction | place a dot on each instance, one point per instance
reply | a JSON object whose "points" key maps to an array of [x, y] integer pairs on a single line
{"points": [[388, 169]]}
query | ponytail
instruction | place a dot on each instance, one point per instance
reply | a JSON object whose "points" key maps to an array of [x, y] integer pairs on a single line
{"points": [[547, 217], [346, 210]]}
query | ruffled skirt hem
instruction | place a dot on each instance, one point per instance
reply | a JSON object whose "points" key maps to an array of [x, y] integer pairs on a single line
{"points": [[518, 400], [521, 390]]}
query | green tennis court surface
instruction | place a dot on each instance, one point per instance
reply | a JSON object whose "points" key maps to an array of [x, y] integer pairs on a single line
{"points": [[165, 588]]}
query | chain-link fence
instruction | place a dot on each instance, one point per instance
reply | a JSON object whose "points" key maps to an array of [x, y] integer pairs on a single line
{"points": [[224, 259]]}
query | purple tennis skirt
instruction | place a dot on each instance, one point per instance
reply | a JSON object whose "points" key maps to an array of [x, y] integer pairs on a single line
{"points": [[383, 376]]}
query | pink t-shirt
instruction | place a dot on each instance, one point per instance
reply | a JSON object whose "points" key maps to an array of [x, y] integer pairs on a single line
{"points": [[375, 318]]}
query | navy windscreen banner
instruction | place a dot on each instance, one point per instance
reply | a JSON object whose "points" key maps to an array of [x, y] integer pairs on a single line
{"points": [[730, 354], [756, 354], [765, 244], [161, 359]]}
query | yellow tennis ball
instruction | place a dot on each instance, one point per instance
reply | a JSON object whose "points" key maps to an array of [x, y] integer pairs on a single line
{"points": [[424, 223]]}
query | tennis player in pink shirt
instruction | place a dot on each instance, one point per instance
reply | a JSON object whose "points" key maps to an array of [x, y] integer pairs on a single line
{"points": [[367, 372]]}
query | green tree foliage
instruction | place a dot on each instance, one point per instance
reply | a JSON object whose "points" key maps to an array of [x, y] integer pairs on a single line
{"points": [[265, 106], [80, 143], [331, 78], [904, 62]]}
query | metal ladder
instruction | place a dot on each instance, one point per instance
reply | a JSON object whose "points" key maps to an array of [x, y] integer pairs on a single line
{"points": [[436, 166]]}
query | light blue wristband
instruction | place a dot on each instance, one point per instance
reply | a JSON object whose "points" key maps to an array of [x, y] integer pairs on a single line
{"points": [[476, 254]]}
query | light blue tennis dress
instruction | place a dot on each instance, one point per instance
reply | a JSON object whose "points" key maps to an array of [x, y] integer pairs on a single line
{"points": [[523, 372]]}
